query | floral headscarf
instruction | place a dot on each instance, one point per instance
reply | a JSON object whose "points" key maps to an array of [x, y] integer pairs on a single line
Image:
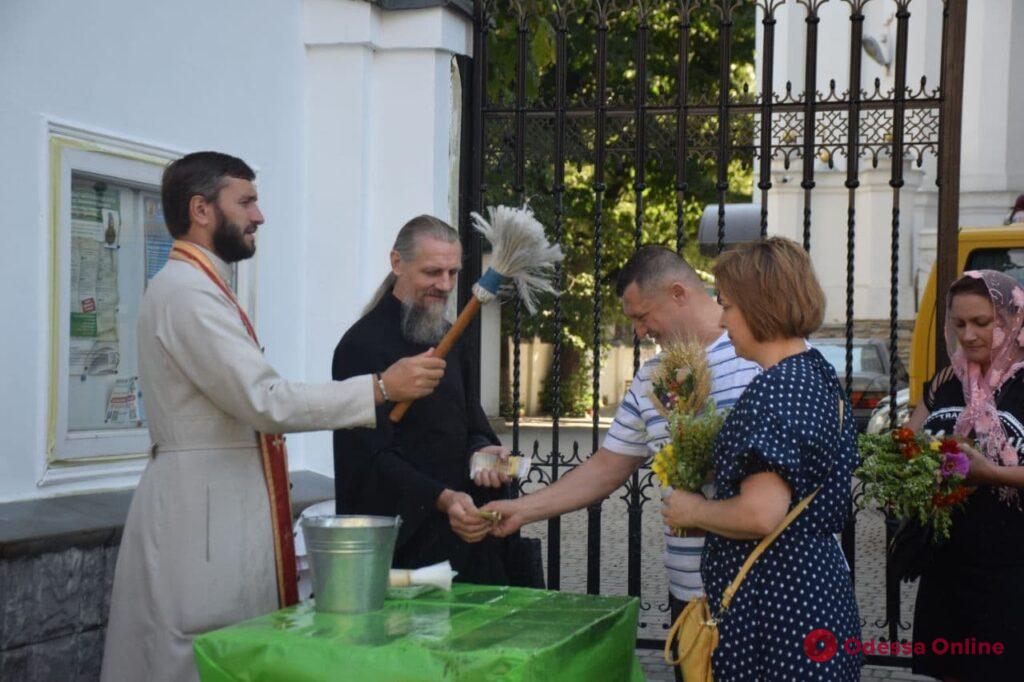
{"points": [[980, 414]]}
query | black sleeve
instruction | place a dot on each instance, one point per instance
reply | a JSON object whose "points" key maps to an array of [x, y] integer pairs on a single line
{"points": [[371, 477]]}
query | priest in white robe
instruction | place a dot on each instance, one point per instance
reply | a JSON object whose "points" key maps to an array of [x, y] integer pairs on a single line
{"points": [[204, 545]]}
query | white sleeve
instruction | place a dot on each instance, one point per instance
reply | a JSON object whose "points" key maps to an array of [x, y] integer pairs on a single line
{"points": [[202, 333], [628, 433]]}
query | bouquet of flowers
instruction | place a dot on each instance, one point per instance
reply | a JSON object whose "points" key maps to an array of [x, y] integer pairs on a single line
{"points": [[914, 476], [682, 394]]}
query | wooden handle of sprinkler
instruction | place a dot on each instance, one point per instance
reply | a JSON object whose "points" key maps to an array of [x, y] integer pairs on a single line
{"points": [[443, 348]]}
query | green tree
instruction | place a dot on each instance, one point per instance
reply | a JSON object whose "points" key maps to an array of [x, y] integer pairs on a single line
{"points": [[619, 201]]}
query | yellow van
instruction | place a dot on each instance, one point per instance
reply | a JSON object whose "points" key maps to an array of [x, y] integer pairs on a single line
{"points": [[980, 248]]}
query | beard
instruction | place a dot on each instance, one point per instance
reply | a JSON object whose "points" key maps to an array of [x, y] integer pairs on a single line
{"points": [[424, 325], [229, 240]]}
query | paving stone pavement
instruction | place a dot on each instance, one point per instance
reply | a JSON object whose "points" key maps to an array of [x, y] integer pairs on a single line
{"points": [[655, 670], [868, 559]]}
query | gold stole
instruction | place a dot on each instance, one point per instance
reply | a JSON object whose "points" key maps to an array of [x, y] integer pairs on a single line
{"points": [[272, 448]]}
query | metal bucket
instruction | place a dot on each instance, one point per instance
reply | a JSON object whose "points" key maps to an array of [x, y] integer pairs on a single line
{"points": [[350, 557]]}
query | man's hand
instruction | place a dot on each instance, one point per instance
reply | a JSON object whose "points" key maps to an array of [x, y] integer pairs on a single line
{"points": [[413, 377], [513, 515], [489, 478], [461, 515]]}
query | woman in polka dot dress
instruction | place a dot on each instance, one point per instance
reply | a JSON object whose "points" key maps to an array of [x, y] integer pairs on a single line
{"points": [[795, 610]]}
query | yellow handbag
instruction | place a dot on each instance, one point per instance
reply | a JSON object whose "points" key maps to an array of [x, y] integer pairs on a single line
{"points": [[696, 629]]}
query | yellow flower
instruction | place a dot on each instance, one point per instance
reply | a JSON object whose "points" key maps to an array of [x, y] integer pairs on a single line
{"points": [[935, 445], [662, 463]]}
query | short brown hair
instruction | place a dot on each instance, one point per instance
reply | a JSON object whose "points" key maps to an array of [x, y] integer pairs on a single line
{"points": [[201, 173], [773, 284], [651, 264]]}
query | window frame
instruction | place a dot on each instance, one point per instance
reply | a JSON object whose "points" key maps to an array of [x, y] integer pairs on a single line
{"points": [[88, 454]]}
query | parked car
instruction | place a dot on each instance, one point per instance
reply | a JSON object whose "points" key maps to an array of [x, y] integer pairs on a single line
{"points": [[870, 373], [879, 421]]}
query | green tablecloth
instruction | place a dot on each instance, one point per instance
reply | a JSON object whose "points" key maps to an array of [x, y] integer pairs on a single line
{"points": [[474, 633]]}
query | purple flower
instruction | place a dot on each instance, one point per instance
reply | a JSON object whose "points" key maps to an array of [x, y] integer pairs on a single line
{"points": [[955, 464]]}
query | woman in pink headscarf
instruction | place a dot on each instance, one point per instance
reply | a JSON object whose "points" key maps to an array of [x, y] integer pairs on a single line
{"points": [[974, 587]]}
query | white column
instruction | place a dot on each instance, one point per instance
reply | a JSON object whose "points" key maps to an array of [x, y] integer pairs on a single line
{"points": [[379, 111], [1015, 103]]}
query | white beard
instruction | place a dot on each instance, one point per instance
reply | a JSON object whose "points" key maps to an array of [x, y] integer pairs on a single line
{"points": [[424, 325]]}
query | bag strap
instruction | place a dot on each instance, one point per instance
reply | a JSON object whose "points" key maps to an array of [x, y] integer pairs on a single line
{"points": [[673, 631], [730, 591]]}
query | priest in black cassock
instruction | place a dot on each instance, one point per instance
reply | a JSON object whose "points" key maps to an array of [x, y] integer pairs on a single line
{"points": [[419, 468]]}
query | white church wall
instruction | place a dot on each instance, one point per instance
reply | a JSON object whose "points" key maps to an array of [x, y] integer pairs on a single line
{"points": [[342, 109], [182, 76]]}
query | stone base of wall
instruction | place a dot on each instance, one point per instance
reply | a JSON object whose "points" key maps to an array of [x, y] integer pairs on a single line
{"points": [[74, 657], [57, 560], [53, 613]]}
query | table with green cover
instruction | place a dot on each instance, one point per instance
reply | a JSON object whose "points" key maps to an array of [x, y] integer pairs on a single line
{"points": [[473, 633]]}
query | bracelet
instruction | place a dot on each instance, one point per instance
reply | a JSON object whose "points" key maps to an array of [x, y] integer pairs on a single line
{"points": [[380, 385]]}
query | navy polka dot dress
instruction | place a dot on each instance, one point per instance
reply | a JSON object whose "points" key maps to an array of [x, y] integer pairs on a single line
{"points": [[795, 610]]}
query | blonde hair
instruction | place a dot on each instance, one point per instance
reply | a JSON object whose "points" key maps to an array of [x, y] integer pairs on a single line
{"points": [[773, 284]]}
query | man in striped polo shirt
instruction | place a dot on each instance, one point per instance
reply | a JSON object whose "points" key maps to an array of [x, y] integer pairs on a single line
{"points": [[666, 300]]}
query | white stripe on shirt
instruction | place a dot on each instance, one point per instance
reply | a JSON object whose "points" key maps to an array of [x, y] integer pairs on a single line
{"points": [[640, 430]]}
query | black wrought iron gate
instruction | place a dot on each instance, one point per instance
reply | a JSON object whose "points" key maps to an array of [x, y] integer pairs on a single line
{"points": [[546, 98]]}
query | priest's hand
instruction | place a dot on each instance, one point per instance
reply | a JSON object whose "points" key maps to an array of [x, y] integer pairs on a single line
{"points": [[490, 478], [411, 378], [462, 515]]}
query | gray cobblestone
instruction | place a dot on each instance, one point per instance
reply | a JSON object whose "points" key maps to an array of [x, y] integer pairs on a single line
{"points": [[656, 670], [875, 672]]}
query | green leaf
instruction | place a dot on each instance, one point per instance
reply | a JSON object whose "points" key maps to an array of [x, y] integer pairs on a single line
{"points": [[542, 46]]}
